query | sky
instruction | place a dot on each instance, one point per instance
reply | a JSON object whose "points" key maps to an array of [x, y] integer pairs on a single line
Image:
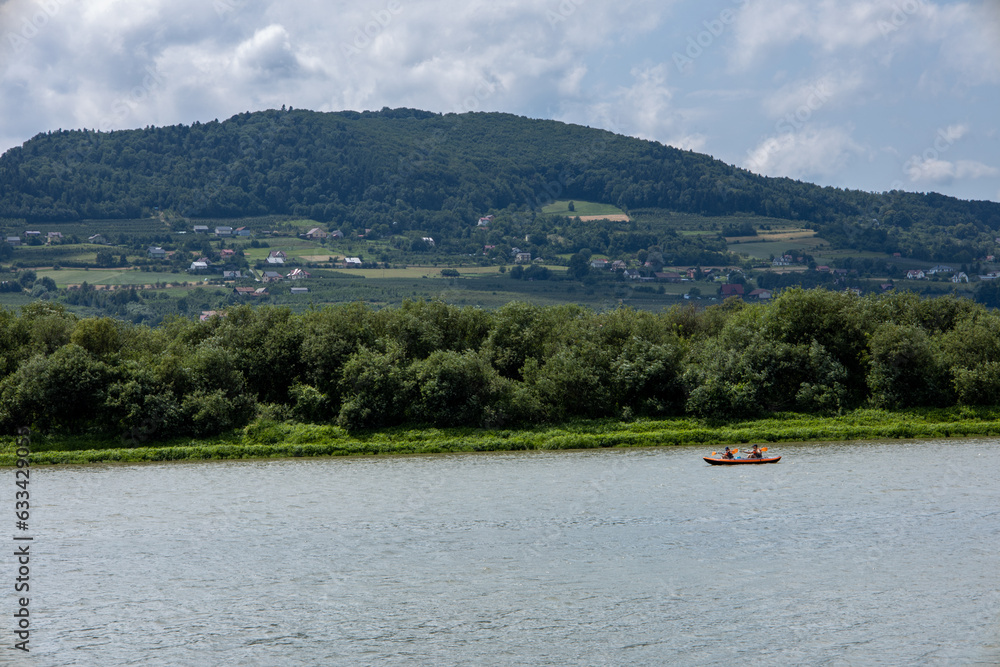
{"points": [[873, 95]]}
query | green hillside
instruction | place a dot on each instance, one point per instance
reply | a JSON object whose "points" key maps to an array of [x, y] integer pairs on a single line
{"points": [[403, 170]]}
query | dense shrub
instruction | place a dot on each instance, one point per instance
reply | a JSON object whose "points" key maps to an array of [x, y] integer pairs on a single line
{"points": [[431, 363]]}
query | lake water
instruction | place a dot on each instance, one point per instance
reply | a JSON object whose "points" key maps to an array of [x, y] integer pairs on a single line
{"points": [[842, 554]]}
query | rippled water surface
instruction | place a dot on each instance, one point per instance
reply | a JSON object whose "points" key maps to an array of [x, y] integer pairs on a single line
{"points": [[855, 554]]}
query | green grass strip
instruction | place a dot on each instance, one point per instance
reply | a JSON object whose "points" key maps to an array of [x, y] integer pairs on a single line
{"points": [[262, 440]]}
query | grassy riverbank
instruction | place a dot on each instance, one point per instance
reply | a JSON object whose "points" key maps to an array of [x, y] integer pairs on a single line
{"points": [[271, 440]]}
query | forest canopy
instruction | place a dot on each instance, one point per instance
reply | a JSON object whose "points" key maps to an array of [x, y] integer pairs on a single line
{"points": [[428, 363]]}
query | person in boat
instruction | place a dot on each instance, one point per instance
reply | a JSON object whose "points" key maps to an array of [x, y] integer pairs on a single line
{"points": [[755, 453], [728, 454]]}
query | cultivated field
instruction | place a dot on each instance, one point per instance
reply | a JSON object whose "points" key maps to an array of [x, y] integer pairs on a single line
{"points": [[586, 210]]}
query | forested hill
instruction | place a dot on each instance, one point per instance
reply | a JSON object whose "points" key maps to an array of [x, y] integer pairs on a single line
{"points": [[424, 168]]}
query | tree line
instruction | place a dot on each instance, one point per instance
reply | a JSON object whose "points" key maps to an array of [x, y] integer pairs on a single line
{"points": [[421, 363]]}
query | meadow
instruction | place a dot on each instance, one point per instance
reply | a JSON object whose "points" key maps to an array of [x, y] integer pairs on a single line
{"points": [[581, 208]]}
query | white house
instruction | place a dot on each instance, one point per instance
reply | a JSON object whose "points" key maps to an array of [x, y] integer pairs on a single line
{"points": [[915, 274]]}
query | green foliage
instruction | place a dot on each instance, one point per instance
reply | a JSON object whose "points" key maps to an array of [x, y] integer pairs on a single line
{"points": [[376, 386], [905, 370], [451, 388], [427, 362], [309, 404], [61, 391]]}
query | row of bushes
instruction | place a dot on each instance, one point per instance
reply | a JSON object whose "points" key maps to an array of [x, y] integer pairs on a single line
{"points": [[814, 352]]}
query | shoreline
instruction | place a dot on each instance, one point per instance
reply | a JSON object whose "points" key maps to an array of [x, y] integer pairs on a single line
{"points": [[270, 440]]}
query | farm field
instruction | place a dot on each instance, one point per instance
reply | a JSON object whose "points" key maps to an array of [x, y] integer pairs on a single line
{"points": [[776, 243], [66, 277], [584, 209]]}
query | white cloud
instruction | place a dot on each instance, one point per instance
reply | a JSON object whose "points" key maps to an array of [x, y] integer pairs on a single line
{"points": [[937, 171], [830, 25], [806, 97], [268, 53], [953, 133], [807, 153], [821, 79]]}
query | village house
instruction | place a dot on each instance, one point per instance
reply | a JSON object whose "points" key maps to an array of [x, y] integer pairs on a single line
{"points": [[208, 314], [98, 239], [599, 264], [53, 236], [299, 290], [337, 234], [632, 274], [225, 253], [32, 233], [731, 290], [243, 231], [940, 268], [760, 294], [299, 274], [354, 262], [271, 277], [277, 253], [960, 277], [223, 231], [244, 291], [668, 276], [14, 240], [232, 275], [915, 274], [200, 229], [315, 234], [199, 266], [618, 265], [522, 258], [157, 252], [277, 261], [428, 240]]}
